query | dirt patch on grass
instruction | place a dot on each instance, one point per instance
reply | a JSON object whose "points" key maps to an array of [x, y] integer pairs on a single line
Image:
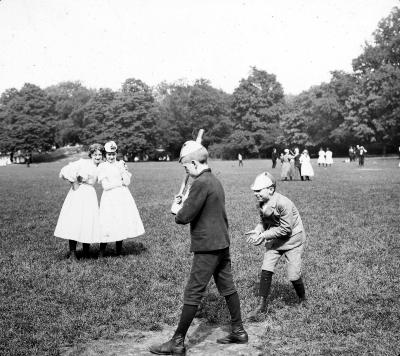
{"points": [[201, 340]]}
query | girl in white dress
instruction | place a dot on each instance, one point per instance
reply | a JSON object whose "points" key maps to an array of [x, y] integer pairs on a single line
{"points": [[79, 215], [321, 157], [119, 216], [306, 167], [328, 157]]}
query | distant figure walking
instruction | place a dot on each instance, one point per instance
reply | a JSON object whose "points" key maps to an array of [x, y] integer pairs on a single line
{"points": [[361, 156], [328, 157], [306, 167], [240, 159], [286, 169], [274, 157], [321, 157], [352, 154]]}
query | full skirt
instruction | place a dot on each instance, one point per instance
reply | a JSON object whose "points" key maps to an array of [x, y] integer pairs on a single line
{"points": [[286, 170], [79, 216], [119, 216], [307, 169]]}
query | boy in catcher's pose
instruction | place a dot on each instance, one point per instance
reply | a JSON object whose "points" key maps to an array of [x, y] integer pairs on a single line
{"points": [[281, 229], [204, 209]]}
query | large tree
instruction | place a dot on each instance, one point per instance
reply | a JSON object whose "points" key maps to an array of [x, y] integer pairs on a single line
{"points": [[374, 109], [27, 119], [257, 106]]}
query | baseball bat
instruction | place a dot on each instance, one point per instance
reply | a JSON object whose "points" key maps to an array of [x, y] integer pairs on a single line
{"points": [[185, 180]]}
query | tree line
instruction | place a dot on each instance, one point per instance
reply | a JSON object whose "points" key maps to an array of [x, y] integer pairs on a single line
{"points": [[361, 107]]}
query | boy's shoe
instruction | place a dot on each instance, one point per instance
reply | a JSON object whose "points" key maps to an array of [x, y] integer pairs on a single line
{"points": [[175, 346], [237, 336]]}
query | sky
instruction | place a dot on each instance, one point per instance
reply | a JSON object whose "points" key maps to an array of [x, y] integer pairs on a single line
{"points": [[101, 43]]}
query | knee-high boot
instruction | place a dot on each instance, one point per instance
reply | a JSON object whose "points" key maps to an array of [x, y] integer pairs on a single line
{"points": [[265, 286]]}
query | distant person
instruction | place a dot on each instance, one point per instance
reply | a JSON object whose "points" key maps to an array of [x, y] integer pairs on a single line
{"points": [[321, 157], [28, 159], [240, 159], [79, 215], [281, 232], [119, 216], [286, 169], [328, 157], [306, 167], [352, 154], [361, 156], [297, 163], [274, 157], [204, 210]]}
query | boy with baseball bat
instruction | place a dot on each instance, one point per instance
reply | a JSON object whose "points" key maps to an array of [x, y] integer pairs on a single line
{"points": [[204, 209], [282, 232]]}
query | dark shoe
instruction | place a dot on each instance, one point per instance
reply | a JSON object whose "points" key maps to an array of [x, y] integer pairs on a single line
{"points": [[237, 336], [175, 346], [260, 309]]}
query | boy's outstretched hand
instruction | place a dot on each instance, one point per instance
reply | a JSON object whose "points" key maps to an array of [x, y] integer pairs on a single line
{"points": [[255, 238]]}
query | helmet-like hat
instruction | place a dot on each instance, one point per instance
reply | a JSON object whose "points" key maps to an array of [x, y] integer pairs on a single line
{"points": [[263, 180]]}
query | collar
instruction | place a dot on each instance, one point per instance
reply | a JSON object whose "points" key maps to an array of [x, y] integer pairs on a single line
{"points": [[203, 171]]}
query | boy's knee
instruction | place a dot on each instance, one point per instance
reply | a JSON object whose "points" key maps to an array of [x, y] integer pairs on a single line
{"points": [[293, 274]]}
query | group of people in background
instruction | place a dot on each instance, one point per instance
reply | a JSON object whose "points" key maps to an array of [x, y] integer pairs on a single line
{"points": [[357, 152], [294, 164], [325, 158]]}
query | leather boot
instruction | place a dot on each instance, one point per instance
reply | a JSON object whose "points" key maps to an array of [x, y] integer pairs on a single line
{"points": [[237, 336], [175, 346], [260, 309]]}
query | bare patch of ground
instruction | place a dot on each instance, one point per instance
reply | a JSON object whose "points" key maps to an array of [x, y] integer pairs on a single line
{"points": [[201, 340]]}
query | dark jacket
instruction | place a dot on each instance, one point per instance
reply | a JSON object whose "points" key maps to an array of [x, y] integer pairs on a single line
{"points": [[204, 209]]}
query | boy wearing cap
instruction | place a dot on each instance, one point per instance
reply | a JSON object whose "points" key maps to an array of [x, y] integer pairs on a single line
{"points": [[204, 209], [281, 229]]}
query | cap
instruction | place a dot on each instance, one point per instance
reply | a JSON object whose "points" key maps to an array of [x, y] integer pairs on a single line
{"points": [[263, 180], [190, 147], [110, 146]]}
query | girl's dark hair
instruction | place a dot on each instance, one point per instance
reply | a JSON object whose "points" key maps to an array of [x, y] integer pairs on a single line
{"points": [[95, 147]]}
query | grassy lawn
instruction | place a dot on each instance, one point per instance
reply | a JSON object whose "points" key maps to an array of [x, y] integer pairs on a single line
{"points": [[351, 266]]}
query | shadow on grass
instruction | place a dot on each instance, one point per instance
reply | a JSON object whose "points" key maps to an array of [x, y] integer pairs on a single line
{"points": [[128, 249], [202, 332]]}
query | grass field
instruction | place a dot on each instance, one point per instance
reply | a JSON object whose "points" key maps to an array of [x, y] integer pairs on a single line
{"points": [[351, 265]]}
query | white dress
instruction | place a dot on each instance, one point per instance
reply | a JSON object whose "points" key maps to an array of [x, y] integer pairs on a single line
{"points": [[119, 216], [321, 157], [79, 215], [306, 167], [329, 159]]}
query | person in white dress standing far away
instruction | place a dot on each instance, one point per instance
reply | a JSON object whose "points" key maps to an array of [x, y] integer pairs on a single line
{"points": [[321, 157], [328, 157], [119, 216], [79, 215], [306, 167]]}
